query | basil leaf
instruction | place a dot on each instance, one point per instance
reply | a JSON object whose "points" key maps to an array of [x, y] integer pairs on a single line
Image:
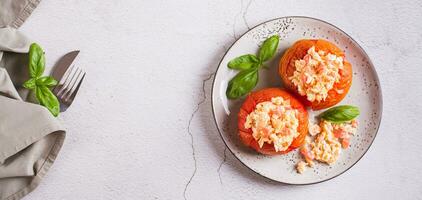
{"points": [[340, 114], [47, 99], [46, 81], [36, 61], [41, 84], [243, 62], [242, 83], [30, 84], [268, 48]]}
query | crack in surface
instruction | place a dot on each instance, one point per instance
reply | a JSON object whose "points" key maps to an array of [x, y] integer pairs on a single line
{"points": [[242, 13], [246, 12], [198, 105], [235, 19], [221, 165]]}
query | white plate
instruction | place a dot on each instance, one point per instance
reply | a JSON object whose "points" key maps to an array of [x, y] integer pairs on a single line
{"points": [[364, 93]]}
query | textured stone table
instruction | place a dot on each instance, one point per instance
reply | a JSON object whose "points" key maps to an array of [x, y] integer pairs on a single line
{"points": [[142, 128]]}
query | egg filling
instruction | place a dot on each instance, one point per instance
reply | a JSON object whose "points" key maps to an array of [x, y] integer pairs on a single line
{"points": [[316, 74], [329, 140], [326, 148], [274, 122]]}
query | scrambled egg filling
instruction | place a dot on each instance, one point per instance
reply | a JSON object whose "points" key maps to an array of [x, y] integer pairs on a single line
{"points": [[316, 74], [326, 148], [274, 122], [329, 139]]}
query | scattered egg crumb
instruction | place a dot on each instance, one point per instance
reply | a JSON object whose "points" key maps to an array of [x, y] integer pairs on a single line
{"points": [[314, 129], [301, 167]]}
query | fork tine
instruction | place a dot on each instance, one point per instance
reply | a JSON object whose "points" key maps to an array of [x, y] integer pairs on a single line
{"points": [[65, 87], [75, 83], [58, 89], [66, 81], [72, 96], [71, 83], [66, 74]]}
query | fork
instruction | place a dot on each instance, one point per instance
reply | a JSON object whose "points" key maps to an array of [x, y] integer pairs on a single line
{"points": [[68, 86]]}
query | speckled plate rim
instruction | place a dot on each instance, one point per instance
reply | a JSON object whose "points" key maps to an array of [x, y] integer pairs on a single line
{"points": [[375, 75]]}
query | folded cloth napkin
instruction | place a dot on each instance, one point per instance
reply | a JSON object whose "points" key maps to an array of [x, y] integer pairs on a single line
{"points": [[14, 12], [30, 137]]}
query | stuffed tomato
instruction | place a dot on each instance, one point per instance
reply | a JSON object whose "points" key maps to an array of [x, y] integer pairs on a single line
{"points": [[317, 71], [272, 121]]}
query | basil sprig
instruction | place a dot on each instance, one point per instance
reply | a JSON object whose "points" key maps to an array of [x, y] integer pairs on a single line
{"points": [[339, 114], [41, 84], [242, 83], [249, 66], [268, 48], [243, 62]]}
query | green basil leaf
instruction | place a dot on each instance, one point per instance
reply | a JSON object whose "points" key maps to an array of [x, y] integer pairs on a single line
{"points": [[340, 114], [268, 48], [30, 84], [36, 61], [47, 99], [243, 62], [242, 83], [46, 81]]}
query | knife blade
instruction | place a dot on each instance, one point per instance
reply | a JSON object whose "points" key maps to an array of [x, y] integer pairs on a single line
{"points": [[63, 64]]}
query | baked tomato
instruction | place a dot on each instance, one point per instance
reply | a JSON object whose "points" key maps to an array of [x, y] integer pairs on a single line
{"points": [[267, 95], [333, 93]]}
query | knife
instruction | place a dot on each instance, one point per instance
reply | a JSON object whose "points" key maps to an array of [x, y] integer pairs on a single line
{"points": [[62, 66]]}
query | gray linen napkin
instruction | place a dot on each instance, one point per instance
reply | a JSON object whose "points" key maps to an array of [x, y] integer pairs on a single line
{"points": [[14, 12], [30, 137]]}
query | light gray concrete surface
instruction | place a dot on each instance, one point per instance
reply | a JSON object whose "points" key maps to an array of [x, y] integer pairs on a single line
{"points": [[142, 126]]}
